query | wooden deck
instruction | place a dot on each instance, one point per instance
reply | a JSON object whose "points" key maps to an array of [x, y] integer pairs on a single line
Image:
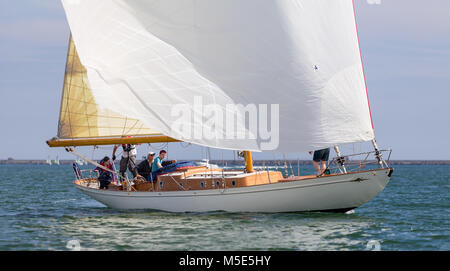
{"points": [[202, 178]]}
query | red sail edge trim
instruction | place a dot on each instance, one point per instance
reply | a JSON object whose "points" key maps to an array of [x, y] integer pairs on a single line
{"points": [[360, 55]]}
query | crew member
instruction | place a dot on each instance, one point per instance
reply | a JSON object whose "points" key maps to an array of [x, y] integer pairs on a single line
{"points": [[145, 167], [128, 159]]}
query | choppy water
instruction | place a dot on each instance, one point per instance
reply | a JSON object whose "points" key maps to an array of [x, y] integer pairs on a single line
{"points": [[41, 210]]}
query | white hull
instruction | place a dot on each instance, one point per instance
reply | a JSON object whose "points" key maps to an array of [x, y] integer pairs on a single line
{"points": [[328, 193]]}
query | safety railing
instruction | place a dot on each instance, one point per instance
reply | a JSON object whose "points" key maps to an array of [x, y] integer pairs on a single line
{"points": [[360, 161]]}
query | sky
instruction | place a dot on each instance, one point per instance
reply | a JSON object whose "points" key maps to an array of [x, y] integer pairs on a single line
{"points": [[405, 46]]}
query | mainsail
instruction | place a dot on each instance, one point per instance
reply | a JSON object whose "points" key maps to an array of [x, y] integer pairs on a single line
{"points": [[144, 58]]}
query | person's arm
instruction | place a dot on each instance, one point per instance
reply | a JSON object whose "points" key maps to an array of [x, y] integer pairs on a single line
{"points": [[114, 152], [159, 163], [168, 163], [98, 170]]}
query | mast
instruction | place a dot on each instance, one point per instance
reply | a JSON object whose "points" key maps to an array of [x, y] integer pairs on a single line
{"points": [[248, 162]]}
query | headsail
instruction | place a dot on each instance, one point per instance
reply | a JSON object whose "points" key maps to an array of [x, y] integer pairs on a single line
{"points": [[82, 120], [80, 116], [143, 58]]}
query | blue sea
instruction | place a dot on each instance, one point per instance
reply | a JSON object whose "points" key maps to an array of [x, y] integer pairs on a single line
{"points": [[42, 210]]}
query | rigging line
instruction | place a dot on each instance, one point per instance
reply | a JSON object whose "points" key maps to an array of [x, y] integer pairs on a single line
{"points": [[93, 151], [157, 148], [134, 127], [103, 148], [124, 125], [187, 145], [182, 187], [71, 150]]}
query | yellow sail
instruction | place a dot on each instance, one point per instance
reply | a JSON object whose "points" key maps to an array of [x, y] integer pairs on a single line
{"points": [[82, 122]]}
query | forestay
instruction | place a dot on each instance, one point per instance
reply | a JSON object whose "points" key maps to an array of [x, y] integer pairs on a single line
{"points": [[145, 58]]}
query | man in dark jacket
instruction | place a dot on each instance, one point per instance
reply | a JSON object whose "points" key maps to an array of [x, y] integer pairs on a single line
{"points": [[145, 167]]}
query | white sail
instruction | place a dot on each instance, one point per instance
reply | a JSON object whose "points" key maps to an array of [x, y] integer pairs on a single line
{"points": [[144, 58]]}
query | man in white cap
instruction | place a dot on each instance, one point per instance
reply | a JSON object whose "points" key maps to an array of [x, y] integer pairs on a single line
{"points": [[145, 167]]}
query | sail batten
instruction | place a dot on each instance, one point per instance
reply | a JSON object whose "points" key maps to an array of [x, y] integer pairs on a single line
{"points": [[300, 58]]}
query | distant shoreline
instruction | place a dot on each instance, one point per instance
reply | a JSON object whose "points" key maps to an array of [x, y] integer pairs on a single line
{"points": [[240, 162]]}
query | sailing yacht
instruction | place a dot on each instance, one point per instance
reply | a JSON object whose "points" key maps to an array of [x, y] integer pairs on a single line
{"points": [[79, 162], [141, 73]]}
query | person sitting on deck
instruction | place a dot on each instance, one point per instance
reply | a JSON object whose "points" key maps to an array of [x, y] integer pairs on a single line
{"points": [[105, 177], [158, 164], [145, 167]]}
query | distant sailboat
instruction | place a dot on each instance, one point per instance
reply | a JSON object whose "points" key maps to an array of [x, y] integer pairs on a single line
{"points": [[48, 162], [80, 162], [56, 161], [302, 55], [205, 163]]}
